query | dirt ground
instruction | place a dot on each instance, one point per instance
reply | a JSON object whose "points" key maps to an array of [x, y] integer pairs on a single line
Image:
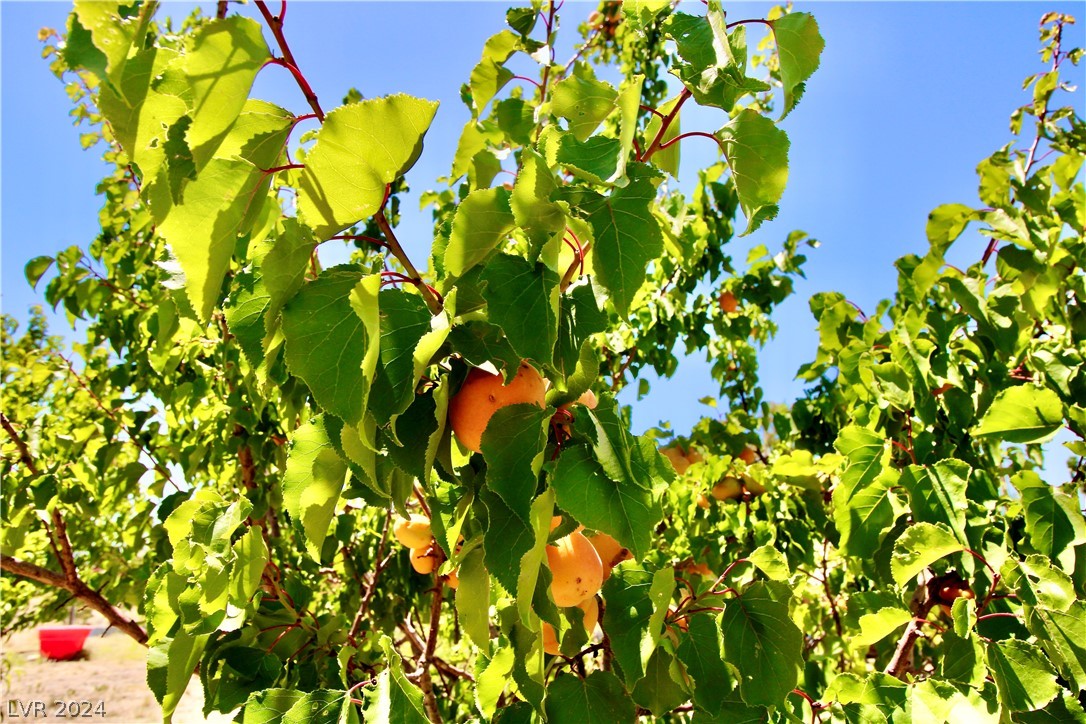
{"points": [[112, 671]]}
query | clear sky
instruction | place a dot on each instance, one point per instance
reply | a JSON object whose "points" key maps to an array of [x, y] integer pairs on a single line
{"points": [[909, 98]]}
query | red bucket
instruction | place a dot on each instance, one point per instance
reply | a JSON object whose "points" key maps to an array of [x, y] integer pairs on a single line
{"points": [[62, 642]]}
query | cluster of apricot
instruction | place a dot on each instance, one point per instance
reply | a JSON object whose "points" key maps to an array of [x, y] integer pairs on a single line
{"points": [[730, 487], [415, 534], [579, 565]]}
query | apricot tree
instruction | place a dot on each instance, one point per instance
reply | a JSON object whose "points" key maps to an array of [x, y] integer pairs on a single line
{"points": [[222, 467]]}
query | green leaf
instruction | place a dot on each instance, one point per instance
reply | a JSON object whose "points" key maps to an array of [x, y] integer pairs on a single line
{"points": [[626, 619], [360, 149], [329, 345], [506, 539], [599, 160], [962, 659], [657, 690], [473, 598], [581, 314], [714, 62], [1062, 710], [597, 699], [170, 664], [531, 584], [937, 494], [640, 14], [1061, 636], [1022, 414], [771, 562], [699, 651], [489, 76], [862, 502], [113, 36], [874, 627], [945, 224], [666, 159], [396, 699], [490, 684], [757, 154], [482, 221], [625, 511], [866, 517], [220, 68], [522, 299], [1022, 674], [628, 237], [1038, 583], [879, 694], [584, 101], [250, 558], [763, 644], [920, 546], [36, 268], [322, 707], [203, 229], [533, 211], [313, 480], [405, 320], [512, 445], [799, 47], [1053, 520], [269, 706]]}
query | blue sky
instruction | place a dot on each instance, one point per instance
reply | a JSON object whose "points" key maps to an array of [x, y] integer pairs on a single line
{"points": [[909, 98]]}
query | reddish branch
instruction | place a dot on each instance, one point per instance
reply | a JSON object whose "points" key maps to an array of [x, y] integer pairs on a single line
{"points": [[275, 23], [62, 548], [665, 124], [901, 661]]}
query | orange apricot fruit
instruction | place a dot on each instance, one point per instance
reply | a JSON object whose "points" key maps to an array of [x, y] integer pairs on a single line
{"points": [[483, 394], [729, 487], [423, 560], [576, 569], [611, 552], [413, 532]]}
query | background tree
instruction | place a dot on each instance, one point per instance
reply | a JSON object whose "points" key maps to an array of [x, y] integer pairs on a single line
{"points": [[247, 433]]}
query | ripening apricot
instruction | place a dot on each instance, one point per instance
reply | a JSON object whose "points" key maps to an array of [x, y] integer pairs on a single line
{"points": [[413, 532], [728, 303], [748, 455], [576, 569], [453, 579], [752, 485], [728, 488], [550, 641], [611, 552], [483, 394], [591, 610], [700, 569], [588, 399], [423, 560], [703, 502], [693, 456], [677, 458]]}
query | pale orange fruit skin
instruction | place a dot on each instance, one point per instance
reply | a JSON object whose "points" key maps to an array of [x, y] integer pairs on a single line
{"points": [[413, 532], [483, 394], [728, 488], [703, 502], [588, 399], [728, 303], [453, 580], [748, 455], [576, 570], [422, 561], [677, 458], [591, 617], [550, 641], [611, 552]]}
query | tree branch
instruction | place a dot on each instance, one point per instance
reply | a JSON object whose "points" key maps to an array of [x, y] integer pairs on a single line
{"points": [[62, 548], [78, 589]]}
